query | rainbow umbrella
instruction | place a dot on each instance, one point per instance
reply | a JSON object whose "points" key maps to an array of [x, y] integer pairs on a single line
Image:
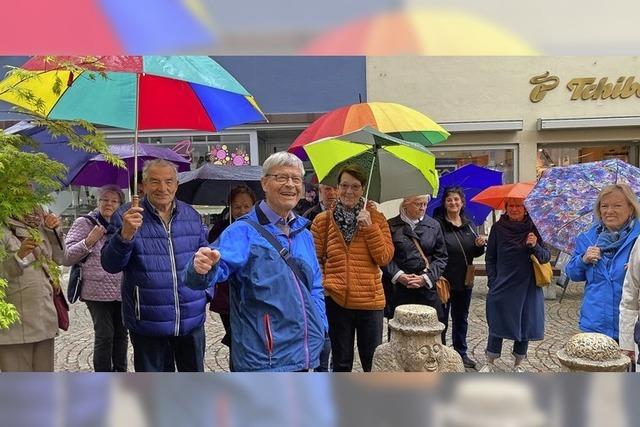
{"points": [[396, 168], [393, 119], [135, 92], [419, 32], [106, 26]]}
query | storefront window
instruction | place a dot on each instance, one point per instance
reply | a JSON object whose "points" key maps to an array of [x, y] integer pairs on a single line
{"points": [[550, 155], [449, 159]]}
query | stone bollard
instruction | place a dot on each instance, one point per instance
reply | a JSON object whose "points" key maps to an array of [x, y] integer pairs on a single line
{"points": [[592, 352], [415, 344]]}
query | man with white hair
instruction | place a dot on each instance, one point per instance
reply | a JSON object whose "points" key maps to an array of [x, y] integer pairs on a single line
{"points": [[268, 256], [152, 245]]}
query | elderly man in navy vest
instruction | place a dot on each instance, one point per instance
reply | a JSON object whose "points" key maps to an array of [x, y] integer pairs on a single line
{"points": [[151, 245]]}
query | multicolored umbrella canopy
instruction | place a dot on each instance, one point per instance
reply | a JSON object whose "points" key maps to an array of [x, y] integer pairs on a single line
{"points": [[98, 172], [496, 195], [393, 119], [562, 202], [166, 92], [396, 168], [106, 26], [419, 32], [472, 179]]}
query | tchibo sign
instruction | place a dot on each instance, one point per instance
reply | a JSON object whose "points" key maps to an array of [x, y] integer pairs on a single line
{"points": [[586, 88]]}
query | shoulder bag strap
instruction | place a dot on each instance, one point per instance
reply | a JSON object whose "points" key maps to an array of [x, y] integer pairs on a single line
{"points": [[426, 261], [94, 222], [461, 247], [284, 252]]}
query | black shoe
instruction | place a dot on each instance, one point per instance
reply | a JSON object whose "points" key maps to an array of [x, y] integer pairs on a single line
{"points": [[467, 362]]}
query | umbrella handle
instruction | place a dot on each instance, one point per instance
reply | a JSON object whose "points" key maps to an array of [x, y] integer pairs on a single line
{"points": [[135, 201]]}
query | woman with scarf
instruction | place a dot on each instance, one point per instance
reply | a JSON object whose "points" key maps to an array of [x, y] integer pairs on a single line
{"points": [[409, 277], [352, 243], [515, 304], [34, 249], [100, 290], [601, 257]]}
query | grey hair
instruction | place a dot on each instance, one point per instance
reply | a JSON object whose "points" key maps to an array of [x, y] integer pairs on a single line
{"points": [[110, 188], [406, 200], [157, 162], [282, 158]]}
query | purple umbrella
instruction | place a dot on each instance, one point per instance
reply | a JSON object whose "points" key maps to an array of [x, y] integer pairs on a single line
{"points": [[473, 179], [98, 172], [57, 148]]}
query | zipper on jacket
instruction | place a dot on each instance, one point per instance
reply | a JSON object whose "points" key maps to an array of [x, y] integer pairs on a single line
{"points": [[268, 335], [304, 312], [137, 304], [174, 274]]}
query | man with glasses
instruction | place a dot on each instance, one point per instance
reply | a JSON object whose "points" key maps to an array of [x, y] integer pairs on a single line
{"points": [[268, 256], [151, 245]]}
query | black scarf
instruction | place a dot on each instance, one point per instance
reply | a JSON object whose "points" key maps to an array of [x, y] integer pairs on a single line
{"points": [[347, 219]]}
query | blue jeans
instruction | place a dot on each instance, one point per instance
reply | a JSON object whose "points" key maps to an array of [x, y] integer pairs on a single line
{"points": [[164, 354], [458, 305], [494, 348]]}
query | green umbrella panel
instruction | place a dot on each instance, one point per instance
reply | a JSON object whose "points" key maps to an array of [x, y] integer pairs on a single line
{"points": [[396, 168]]}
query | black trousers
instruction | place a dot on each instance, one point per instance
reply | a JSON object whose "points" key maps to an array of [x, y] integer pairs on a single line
{"points": [[458, 305], [111, 341], [344, 324], [164, 354]]}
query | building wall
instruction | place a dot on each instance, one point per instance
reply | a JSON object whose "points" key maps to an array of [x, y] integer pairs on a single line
{"points": [[463, 89]]}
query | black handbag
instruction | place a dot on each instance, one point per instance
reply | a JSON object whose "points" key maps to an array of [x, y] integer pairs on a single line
{"points": [[74, 286]]}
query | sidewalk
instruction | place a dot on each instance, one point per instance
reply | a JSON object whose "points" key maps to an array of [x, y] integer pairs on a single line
{"points": [[74, 348]]}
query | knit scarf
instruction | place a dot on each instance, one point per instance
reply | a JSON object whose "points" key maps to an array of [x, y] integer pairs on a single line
{"points": [[347, 219], [610, 241]]}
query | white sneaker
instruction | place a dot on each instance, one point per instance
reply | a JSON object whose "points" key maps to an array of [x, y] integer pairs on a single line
{"points": [[488, 368], [519, 369]]}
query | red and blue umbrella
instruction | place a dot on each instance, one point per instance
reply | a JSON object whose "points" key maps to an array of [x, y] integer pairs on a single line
{"points": [[134, 92], [472, 179]]}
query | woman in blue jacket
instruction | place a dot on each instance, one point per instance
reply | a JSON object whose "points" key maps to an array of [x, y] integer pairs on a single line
{"points": [[600, 258]]}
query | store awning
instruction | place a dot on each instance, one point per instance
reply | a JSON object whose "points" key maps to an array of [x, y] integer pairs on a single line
{"points": [[483, 126], [588, 122]]}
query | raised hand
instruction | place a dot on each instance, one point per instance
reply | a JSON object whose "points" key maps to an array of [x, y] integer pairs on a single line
{"points": [[205, 259], [131, 221]]}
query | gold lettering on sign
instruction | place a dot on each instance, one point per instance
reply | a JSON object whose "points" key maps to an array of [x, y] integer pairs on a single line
{"points": [[543, 83], [585, 89]]}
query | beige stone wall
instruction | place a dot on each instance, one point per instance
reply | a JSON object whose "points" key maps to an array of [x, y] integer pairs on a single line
{"points": [[461, 89]]}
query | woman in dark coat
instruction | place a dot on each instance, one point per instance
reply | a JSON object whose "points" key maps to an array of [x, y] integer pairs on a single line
{"points": [[515, 305], [408, 278], [463, 245]]}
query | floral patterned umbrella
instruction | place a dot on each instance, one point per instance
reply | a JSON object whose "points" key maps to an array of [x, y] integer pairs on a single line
{"points": [[561, 204]]}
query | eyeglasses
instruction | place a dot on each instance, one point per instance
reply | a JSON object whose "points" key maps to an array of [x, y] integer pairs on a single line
{"points": [[112, 201], [353, 187], [283, 178]]}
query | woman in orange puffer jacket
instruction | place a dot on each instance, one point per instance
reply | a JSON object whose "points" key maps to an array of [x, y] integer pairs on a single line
{"points": [[352, 244]]}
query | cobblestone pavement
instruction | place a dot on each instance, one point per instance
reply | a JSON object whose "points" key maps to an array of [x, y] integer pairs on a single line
{"points": [[74, 348]]}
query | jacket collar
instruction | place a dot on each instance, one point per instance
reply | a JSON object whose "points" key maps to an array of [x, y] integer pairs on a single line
{"points": [[297, 223]]}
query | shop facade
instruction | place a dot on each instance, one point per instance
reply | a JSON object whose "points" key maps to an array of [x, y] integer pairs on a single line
{"points": [[519, 114]]}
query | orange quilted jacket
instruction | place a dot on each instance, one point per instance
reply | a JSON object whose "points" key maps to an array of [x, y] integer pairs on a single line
{"points": [[351, 274]]}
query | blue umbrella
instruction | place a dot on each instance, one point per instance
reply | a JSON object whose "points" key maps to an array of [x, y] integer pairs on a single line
{"points": [[56, 148], [473, 179]]}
